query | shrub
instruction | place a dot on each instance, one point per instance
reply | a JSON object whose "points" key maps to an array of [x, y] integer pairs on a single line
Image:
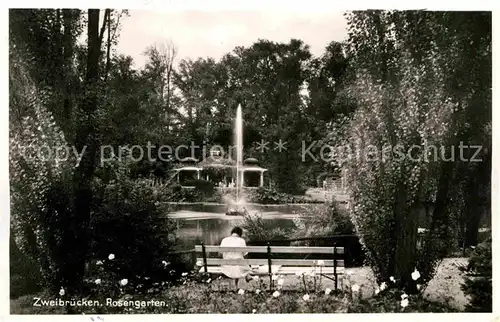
{"points": [[478, 279], [390, 301], [206, 188], [323, 220], [40, 186], [259, 230], [328, 220], [269, 196], [127, 222], [25, 275]]}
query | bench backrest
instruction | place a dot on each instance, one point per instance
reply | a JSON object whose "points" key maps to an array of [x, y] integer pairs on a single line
{"points": [[270, 250]]}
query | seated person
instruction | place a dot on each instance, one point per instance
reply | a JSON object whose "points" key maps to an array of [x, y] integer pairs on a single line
{"points": [[235, 271]]}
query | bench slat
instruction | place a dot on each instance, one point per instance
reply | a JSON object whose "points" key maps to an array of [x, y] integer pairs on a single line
{"points": [[283, 262], [285, 270], [274, 249]]}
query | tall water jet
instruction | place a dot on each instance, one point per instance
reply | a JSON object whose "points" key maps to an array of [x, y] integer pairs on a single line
{"points": [[238, 140], [236, 207]]}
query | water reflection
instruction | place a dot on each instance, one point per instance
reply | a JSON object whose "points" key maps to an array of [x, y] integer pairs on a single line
{"points": [[212, 230]]}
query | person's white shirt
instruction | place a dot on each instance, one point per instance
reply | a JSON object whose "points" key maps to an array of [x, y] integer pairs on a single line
{"points": [[234, 271], [233, 241]]}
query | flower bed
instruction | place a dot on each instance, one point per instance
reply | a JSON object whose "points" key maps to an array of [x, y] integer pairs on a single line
{"points": [[194, 293]]}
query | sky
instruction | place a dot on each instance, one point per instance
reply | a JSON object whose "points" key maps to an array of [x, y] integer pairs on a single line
{"points": [[215, 33]]}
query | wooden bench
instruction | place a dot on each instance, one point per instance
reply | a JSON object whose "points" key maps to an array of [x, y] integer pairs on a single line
{"points": [[332, 267]]}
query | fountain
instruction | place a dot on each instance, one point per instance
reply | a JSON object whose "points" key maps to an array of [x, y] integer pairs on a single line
{"points": [[237, 206]]}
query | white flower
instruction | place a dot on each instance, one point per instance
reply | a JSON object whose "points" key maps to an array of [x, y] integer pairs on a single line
{"points": [[404, 303], [254, 310], [276, 294], [328, 291], [377, 291], [256, 278], [184, 274], [305, 297], [98, 281], [404, 296], [280, 282], [355, 288], [209, 280], [419, 287], [275, 277], [241, 291], [111, 257], [99, 263], [392, 279], [165, 263], [415, 275], [62, 292], [383, 286], [124, 282], [199, 263], [257, 291], [321, 262]]}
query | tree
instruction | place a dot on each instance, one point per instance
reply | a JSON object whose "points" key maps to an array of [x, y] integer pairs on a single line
{"points": [[416, 72], [34, 170], [160, 71], [77, 235], [46, 39]]}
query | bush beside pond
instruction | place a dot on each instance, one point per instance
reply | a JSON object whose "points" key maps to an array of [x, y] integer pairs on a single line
{"points": [[205, 191]]}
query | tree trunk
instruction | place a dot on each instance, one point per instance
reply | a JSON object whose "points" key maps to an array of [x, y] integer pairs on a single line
{"points": [[77, 233], [406, 222], [477, 202], [108, 49], [68, 20], [439, 227]]}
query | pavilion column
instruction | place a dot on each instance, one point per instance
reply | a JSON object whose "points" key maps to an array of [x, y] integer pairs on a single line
{"points": [[242, 178], [198, 174], [261, 183]]}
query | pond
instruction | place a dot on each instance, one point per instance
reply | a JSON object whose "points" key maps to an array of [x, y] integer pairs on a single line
{"points": [[210, 228]]}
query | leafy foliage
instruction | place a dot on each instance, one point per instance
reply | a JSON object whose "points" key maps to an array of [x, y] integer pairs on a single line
{"points": [[258, 230], [478, 280], [407, 101], [269, 196], [41, 200], [323, 220], [127, 222]]}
